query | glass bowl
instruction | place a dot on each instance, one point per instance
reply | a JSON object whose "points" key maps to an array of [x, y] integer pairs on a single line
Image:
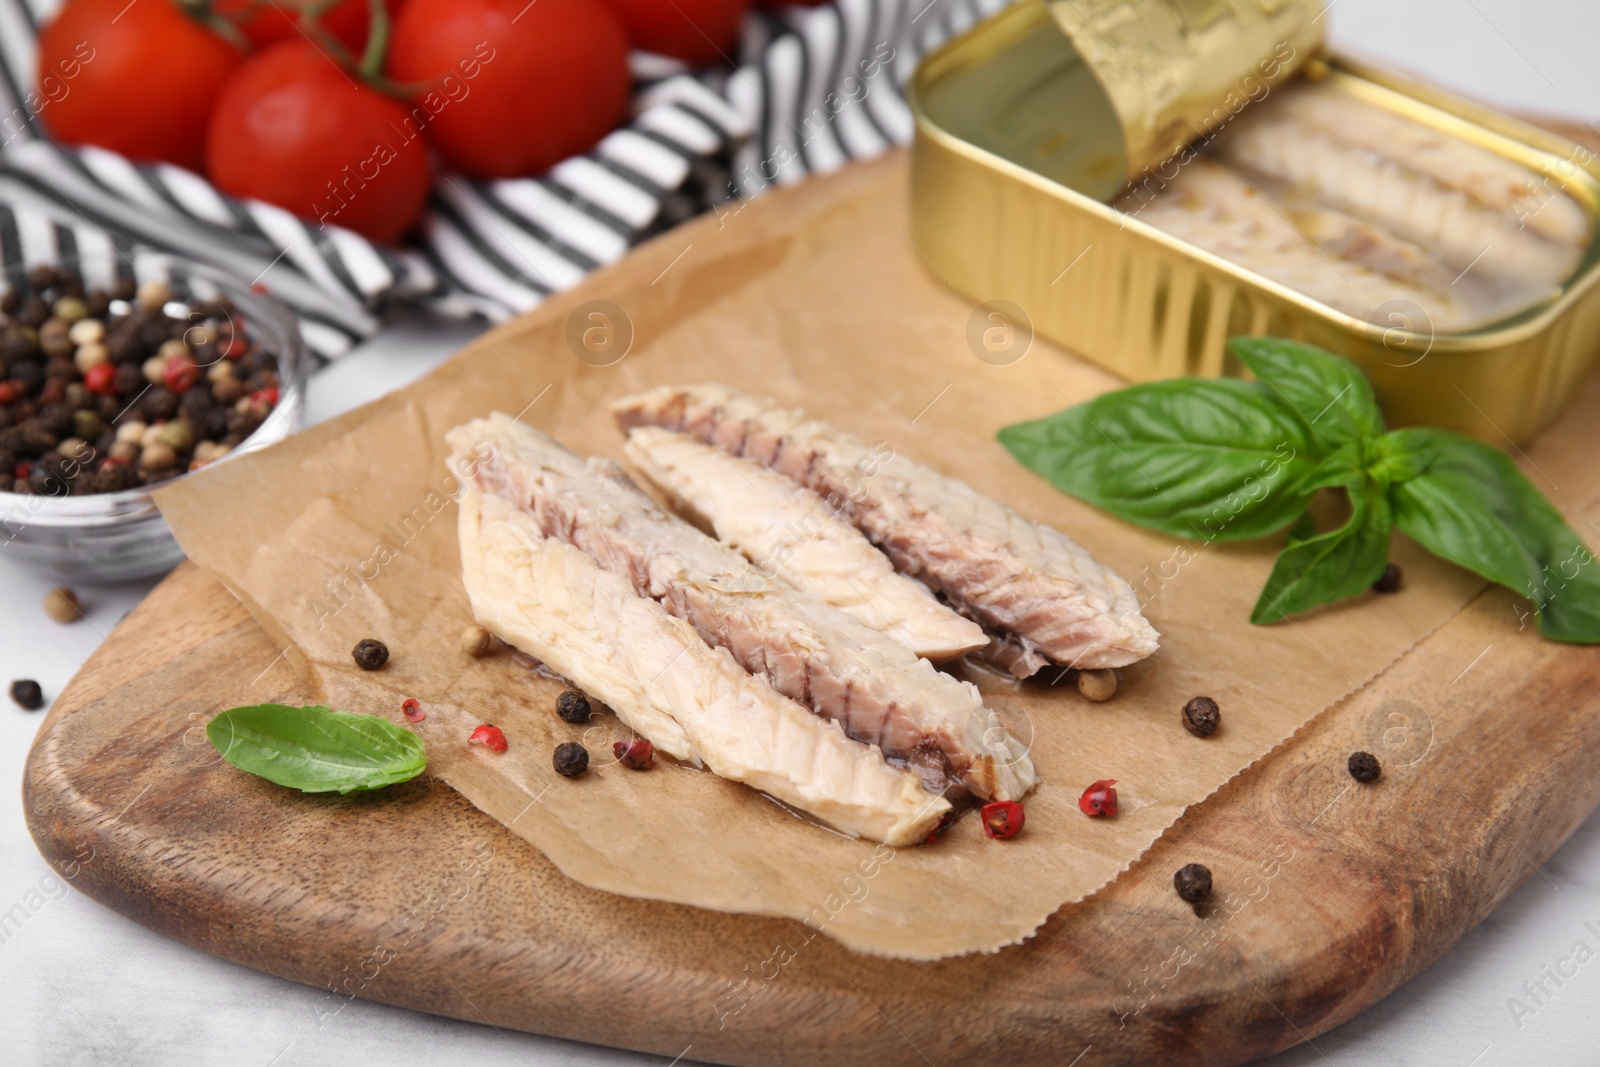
{"points": [[116, 536]]}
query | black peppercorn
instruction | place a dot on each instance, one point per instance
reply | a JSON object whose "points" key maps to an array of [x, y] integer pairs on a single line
{"points": [[573, 707], [54, 339], [195, 404], [370, 654], [153, 331], [125, 346], [41, 276], [29, 372], [1389, 581], [1193, 882], [114, 478], [16, 344], [1201, 716], [124, 289], [57, 418], [571, 759], [127, 379], [242, 423], [159, 403], [98, 302], [33, 312], [1364, 767], [27, 694], [32, 438]]}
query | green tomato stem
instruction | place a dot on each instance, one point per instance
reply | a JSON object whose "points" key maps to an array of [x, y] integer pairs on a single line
{"points": [[377, 42]]}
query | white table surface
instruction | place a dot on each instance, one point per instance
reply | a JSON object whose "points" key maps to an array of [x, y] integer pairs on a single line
{"points": [[80, 984]]}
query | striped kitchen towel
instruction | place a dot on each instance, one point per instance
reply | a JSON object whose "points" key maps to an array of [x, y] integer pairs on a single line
{"points": [[810, 89]]}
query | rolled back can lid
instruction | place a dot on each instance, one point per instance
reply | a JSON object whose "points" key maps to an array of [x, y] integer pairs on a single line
{"points": [[1178, 71]]}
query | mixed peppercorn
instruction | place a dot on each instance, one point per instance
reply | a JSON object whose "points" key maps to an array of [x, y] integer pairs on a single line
{"points": [[1388, 581], [1002, 819], [571, 759], [1193, 882], [27, 695], [1364, 767], [636, 755], [1100, 799], [573, 707], [1098, 685], [490, 737], [62, 605], [1201, 716], [106, 390], [370, 654]]}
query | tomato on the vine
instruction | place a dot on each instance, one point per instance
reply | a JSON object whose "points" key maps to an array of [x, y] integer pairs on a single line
{"points": [[139, 79], [295, 129], [266, 22], [695, 31], [507, 88]]}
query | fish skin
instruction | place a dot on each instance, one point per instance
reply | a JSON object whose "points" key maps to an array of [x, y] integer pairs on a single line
{"points": [[1024, 579], [689, 699], [811, 652], [791, 533]]}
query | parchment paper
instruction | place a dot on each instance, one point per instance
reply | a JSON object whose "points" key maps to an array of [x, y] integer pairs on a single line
{"points": [[814, 296]]}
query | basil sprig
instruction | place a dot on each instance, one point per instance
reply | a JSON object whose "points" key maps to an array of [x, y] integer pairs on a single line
{"points": [[315, 749], [1228, 460]]}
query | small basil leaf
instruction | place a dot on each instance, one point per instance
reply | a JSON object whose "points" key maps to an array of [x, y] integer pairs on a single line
{"points": [[1334, 565], [1341, 469], [316, 750], [1221, 460], [1398, 457], [1471, 505], [1330, 393]]}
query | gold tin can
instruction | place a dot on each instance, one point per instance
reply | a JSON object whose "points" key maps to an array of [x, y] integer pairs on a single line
{"points": [[1020, 145]]}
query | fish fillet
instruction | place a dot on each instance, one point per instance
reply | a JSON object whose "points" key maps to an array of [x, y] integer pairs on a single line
{"points": [[1354, 268], [1046, 597], [811, 652], [691, 700], [1367, 210], [1420, 181], [789, 532]]}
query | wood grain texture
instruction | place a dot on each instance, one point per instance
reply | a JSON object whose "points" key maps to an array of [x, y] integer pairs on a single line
{"points": [[1329, 894]]}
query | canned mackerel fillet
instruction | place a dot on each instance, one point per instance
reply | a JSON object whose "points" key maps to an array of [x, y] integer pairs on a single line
{"points": [[1147, 178]]}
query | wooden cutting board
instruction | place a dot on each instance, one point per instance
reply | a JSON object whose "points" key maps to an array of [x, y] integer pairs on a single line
{"points": [[1330, 894]]}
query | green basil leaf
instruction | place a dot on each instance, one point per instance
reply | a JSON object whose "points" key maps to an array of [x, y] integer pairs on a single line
{"points": [[1221, 460], [316, 750], [1330, 393], [1470, 504], [1334, 565], [1391, 459], [1304, 529]]}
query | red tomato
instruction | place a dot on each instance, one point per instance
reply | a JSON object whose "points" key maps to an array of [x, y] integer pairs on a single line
{"points": [[508, 87], [295, 129], [138, 79], [695, 31]]}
